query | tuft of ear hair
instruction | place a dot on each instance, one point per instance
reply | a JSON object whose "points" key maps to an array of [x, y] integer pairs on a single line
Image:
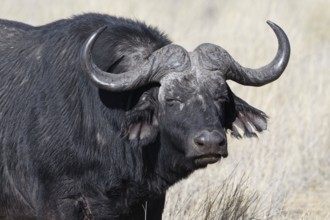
{"points": [[249, 120], [141, 124]]}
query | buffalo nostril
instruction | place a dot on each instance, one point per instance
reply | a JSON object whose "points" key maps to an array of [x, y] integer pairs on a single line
{"points": [[200, 140], [222, 142]]}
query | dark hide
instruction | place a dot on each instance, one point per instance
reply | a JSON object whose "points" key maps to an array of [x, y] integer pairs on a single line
{"points": [[71, 151]]}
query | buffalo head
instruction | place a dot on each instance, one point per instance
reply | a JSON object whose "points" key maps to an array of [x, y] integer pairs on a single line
{"points": [[191, 106]]}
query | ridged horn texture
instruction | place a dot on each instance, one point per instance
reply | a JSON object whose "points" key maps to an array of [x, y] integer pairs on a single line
{"points": [[216, 58], [170, 58]]}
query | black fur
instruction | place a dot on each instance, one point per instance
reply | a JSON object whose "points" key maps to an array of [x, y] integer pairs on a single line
{"points": [[63, 142]]}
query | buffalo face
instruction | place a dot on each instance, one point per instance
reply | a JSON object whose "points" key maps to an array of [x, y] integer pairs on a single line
{"points": [[192, 108]]}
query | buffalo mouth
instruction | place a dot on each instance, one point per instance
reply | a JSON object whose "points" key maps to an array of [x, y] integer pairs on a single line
{"points": [[204, 160]]}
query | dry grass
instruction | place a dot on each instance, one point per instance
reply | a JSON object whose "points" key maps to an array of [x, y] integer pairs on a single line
{"points": [[285, 174]]}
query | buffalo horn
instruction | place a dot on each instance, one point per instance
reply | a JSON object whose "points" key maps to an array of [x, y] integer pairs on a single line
{"points": [[213, 57], [268, 73], [164, 60]]}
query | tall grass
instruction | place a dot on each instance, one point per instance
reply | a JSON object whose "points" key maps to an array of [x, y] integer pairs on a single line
{"points": [[230, 199], [284, 174], [230, 202]]}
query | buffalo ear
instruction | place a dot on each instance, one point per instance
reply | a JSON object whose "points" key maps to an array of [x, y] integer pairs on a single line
{"points": [[141, 124], [246, 119]]}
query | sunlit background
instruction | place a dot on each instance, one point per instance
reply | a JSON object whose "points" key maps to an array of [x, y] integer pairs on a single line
{"points": [[285, 173]]}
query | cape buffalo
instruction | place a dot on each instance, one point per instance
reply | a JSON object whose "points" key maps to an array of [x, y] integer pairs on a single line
{"points": [[100, 115]]}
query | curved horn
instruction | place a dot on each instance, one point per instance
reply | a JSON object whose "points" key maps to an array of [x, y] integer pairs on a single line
{"points": [[216, 58], [268, 73], [168, 58]]}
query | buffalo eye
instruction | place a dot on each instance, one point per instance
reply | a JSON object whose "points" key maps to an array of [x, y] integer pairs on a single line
{"points": [[173, 101]]}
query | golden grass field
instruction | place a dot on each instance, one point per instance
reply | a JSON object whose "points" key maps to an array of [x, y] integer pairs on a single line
{"points": [[285, 173]]}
